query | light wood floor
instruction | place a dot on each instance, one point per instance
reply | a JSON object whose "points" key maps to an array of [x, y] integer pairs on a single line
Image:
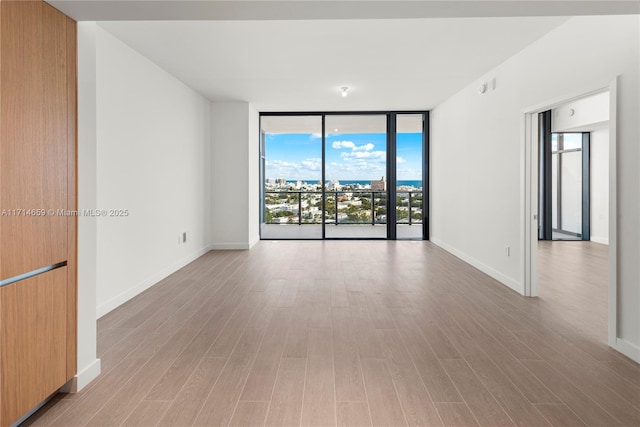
{"points": [[358, 333]]}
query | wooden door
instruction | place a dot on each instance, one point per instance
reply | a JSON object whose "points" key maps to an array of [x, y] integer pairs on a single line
{"points": [[37, 191]]}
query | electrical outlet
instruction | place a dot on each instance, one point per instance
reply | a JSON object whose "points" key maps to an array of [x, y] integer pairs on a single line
{"points": [[507, 250]]}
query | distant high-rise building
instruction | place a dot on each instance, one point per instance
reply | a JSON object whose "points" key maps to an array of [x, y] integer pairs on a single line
{"points": [[379, 185], [281, 181]]}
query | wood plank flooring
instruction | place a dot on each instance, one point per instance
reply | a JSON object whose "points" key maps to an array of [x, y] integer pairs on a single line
{"points": [[359, 333]]}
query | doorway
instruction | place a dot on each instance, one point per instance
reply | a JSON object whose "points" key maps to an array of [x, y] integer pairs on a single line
{"points": [[570, 210]]}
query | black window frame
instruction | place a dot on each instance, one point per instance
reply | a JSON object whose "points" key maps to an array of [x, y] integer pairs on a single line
{"points": [[545, 202], [391, 166]]}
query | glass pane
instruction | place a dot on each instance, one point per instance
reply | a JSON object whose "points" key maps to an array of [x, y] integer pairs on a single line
{"points": [[355, 170], [554, 142], [409, 176], [566, 167], [571, 189], [571, 141], [292, 173]]}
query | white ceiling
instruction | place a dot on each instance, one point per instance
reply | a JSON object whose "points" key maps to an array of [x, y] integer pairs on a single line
{"points": [[299, 65], [294, 55], [118, 10]]}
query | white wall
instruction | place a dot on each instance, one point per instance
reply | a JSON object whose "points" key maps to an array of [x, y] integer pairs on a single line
{"points": [[152, 140], [477, 153], [88, 364], [234, 168], [600, 186], [588, 113]]}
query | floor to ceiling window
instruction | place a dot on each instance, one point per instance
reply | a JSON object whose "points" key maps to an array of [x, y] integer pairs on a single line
{"points": [[356, 190], [564, 198], [566, 159], [410, 174], [291, 159], [344, 175]]}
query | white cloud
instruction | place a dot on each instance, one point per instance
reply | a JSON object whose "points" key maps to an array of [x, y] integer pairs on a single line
{"points": [[343, 144], [349, 144], [312, 164], [365, 147], [307, 169], [400, 160], [355, 169], [359, 165], [372, 155]]}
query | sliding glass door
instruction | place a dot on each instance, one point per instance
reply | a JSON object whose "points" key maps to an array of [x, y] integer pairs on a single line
{"points": [[291, 157], [356, 192], [344, 175]]}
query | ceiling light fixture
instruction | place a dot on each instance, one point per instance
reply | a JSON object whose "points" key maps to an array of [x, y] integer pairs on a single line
{"points": [[344, 90]]}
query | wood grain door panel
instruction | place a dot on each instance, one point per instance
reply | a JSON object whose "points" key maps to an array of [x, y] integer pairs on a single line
{"points": [[38, 158], [33, 337], [34, 134]]}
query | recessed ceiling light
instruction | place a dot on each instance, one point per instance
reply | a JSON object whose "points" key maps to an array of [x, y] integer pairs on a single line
{"points": [[344, 90]]}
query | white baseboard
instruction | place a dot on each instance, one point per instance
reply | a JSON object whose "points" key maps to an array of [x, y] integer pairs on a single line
{"points": [[253, 241], [118, 300], [83, 378], [632, 351], [505, 280], [229, 246], [601, 240]]}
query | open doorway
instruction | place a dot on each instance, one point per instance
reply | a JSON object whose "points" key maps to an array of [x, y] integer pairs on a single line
{"points": [[571, 194], [573, 154]]}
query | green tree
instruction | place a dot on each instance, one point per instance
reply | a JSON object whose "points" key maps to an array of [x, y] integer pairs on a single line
{"points": [[330, 207], [283, 213]]}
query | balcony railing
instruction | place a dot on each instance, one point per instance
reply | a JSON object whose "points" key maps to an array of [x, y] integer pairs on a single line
{"points": [[354, 207]]}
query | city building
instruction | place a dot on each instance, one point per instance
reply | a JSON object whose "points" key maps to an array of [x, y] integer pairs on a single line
{"points": [[379, 185], [173, 311]]}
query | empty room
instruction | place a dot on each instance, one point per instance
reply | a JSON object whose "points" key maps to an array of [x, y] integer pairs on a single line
{"points": [[319, 213]]}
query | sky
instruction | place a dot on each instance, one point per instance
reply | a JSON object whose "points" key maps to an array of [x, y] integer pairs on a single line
{"points": [[348, 156]]}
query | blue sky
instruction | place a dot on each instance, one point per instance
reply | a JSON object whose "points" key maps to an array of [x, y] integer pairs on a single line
{"points": [[348, 156]]}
